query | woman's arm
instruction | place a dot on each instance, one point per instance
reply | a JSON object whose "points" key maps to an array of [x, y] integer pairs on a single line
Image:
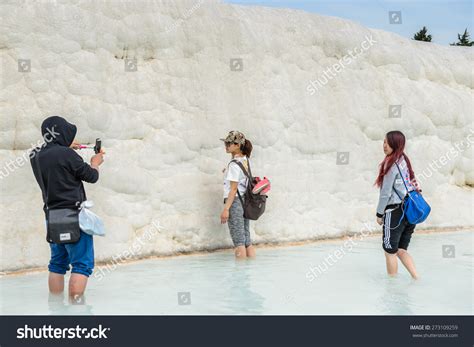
{"points": [[386, 191], [229, 201]]}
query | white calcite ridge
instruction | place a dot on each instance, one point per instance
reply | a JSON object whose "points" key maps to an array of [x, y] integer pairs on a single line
{"points": [[161, 120]]}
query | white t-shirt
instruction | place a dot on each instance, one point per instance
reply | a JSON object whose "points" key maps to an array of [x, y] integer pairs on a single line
{"points": [[234, 173]]}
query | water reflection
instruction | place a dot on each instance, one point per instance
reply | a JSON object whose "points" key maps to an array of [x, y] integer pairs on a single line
{"points": [[395, 298], [274, 283], [241, 298], [57, 305]]}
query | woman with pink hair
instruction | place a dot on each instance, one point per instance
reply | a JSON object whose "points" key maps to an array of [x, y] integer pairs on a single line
{"points": [[395, 176]]}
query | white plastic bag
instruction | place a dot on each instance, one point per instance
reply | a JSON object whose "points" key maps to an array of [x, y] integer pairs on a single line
{"points": [[89, 222]]}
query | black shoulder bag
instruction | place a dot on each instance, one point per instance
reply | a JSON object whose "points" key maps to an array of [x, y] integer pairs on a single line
{"points": [[62, 225], [254, 204]]}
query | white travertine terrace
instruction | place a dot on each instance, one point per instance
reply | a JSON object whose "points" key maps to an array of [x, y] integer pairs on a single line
{"points": [[161, 124]]}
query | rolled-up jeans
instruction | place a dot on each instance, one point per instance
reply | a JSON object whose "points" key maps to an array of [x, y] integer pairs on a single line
{"points": [[80, 255]]}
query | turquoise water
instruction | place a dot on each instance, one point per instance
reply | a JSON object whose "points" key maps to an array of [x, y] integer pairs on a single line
{"points": [[274, 283]]}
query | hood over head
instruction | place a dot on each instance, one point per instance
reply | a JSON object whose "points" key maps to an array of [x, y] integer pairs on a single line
{"points": [[60, 131]]}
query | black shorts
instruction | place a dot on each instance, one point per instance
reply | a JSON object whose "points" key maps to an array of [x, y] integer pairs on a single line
{"points": [[396, 233]]}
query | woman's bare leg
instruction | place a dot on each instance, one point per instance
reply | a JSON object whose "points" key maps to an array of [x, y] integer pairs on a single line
{"points": [[391, 261], [240, 252], [251, 251], [407, 261]]}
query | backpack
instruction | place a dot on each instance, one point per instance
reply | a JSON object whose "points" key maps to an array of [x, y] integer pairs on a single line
{"points": [[254, 204], [415, 208]]}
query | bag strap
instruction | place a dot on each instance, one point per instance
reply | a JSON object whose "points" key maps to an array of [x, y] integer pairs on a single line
{"points": [[403, 180], [248, 174], [44, 192], [401, 198], [250, 171], [240, 198]]}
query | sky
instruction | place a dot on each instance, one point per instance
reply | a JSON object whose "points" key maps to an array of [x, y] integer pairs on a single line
{"points": [[444, 19]]}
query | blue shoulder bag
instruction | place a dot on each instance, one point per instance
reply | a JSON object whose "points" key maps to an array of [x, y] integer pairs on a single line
{"points": [[415, 208]]}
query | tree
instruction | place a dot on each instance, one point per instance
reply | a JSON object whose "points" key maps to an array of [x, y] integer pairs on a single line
{"points": [[463, 40], [421, 35]]}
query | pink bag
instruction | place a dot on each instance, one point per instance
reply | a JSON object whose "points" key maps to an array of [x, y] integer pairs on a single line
{"points": [[262, 186]]}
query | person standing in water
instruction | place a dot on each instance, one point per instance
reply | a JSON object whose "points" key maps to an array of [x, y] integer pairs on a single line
{"points": [[394, 170], [235, 180], [62, 174]]}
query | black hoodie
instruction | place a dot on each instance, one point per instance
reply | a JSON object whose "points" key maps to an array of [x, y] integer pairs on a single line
{"points": [[63, 170]]}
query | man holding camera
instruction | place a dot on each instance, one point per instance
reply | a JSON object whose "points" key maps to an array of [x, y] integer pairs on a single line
{"points": [[60, 171]]}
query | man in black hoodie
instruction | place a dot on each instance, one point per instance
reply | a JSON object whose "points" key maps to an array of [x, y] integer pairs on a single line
{"points": [[63, 171]]}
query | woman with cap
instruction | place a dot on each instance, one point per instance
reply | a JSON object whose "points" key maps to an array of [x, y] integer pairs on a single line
{"points": [[235, 182]]}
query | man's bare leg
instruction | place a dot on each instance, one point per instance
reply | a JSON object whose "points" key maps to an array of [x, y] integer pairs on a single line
{"points": [[77, 287], [55, 283]]}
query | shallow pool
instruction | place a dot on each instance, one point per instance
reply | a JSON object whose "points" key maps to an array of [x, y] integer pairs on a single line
{"points": [[277, 282]]}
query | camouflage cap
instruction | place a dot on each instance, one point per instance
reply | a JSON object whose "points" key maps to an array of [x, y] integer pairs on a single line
{"points": [[235, 136]]}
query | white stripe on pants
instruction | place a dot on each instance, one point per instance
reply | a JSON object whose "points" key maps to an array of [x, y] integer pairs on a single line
{"points": [[386, 239]]}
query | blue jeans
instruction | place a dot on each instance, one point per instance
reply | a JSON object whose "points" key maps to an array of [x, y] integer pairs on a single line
{"points": [[80, 255]]}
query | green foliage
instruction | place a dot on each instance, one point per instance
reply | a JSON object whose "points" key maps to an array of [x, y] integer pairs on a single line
{"points": [[463, 40], [421, 35]]}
